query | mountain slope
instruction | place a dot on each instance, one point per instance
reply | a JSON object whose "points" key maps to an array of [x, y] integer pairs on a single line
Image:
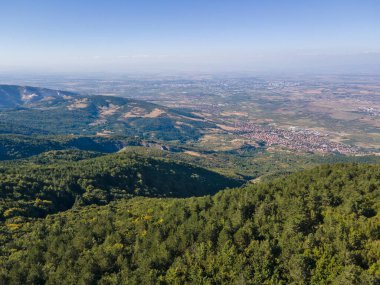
{"points": [[29, 110], [13, 96], [316, 227], [20, 146], [28, 189]]}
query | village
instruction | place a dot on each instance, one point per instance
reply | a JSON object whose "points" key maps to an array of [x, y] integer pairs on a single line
{"points": [[298, 139]]}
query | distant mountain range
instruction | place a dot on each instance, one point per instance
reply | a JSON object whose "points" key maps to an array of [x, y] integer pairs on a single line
{"points": [[13, 96], [31, 110]]}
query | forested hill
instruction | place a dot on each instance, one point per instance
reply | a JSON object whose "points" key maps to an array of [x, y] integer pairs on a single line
{"points": [[38, 111], [19, 146], [14, 96], [55, 181], [315, 227]]}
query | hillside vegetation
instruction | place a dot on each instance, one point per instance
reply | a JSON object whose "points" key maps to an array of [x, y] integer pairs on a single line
{"points": [[37, 111], [238, 163], [320, 226], [57, 181], [19, 146]]}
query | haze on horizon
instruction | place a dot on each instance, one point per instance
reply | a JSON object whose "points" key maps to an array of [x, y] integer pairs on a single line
{"points": [[189, 35]]}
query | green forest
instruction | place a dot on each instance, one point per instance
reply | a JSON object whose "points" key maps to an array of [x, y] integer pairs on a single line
{"points": [[60, 180], [320, 226]]}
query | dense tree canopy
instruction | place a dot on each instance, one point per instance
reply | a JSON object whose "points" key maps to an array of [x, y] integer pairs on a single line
{"points": [[57, 181], [315, 227], [19, 146]]}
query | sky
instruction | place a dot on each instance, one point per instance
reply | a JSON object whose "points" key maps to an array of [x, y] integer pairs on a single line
{"points": [[189, 35]]}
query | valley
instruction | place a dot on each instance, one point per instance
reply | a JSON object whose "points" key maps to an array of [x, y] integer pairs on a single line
{"points": [[336, 113]]}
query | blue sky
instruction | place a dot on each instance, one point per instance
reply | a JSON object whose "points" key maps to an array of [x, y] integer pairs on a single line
{"points": [[189, 35]]}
